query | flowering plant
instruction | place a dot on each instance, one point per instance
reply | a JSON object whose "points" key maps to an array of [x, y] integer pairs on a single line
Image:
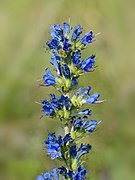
{"points": [[66, 48]]}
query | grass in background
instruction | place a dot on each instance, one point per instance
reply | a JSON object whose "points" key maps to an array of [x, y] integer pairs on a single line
{"points": [[24, 30]]}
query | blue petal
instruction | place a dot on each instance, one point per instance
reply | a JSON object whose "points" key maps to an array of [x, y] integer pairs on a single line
{"points": [[76, 33], [40, 178], [85, 112], [92, 99], [55, 173], [66, 71], [84, 149], [53, 44], [91, 126], [76, 58], [87, 64], [74, 81], [87, 38], [66, 28], [83, 91], [73, 151]]}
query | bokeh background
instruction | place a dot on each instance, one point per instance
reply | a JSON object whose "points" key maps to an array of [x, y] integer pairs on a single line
{"points": [[24, 29]]}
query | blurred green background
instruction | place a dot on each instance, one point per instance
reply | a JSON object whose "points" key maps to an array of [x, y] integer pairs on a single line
{"points": [[24, 28]]}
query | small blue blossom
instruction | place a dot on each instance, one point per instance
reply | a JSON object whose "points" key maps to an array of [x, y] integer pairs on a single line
{"points": [[67, 138], [63, 171], [83, 91], [80, 173], [87, 38], [74, 81], [57, 32], [79, 123], [56, 64], [66, 45], [85, 112], [88, 64], [55, 173], [64, 101], [47, 108], [92, 99], [84, 149], [54, 102], [45, 176], [49, 78], [66, 29], [53, 44], [49, 175], [76, 33], [66, 71], [83, 125], [76, 58], [91, 126], [53, 146]]}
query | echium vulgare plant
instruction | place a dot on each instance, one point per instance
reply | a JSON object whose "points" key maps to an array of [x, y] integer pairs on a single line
{"points": [[66, 47]]}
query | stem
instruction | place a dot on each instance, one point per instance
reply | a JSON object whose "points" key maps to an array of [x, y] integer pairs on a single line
{"points": [[66, 129]]}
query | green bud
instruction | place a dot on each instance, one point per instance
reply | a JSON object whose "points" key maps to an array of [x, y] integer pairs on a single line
{"points": [[66, 114], [74, 165], [73, 134], [67, 84], [76, 101]]}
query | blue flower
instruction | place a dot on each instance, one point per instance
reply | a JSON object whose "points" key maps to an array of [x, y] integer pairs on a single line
{"points": [[54, 102], [79, 123], [76, 58], [83, 91], [45, 176], [84, 149], [80, 173], [55, 173], [49, 175], [56, 64], [66, 29], [88, 64], [67, 138], [49, 78], [83, 125], [76, 33], [87, 38], [85, 112], [66, 71], [74, 81], [66, 45], [73, 151], [91, 126], [64, 101], [53, 145], [53, 44], [57, 32], [92, 99], [63, 171], [47, 108]]}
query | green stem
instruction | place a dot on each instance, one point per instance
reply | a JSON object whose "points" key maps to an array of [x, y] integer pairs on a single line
{"points": [[66, 129]]}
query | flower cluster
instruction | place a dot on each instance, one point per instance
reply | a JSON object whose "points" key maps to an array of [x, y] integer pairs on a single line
{"points": [[66, 46]]}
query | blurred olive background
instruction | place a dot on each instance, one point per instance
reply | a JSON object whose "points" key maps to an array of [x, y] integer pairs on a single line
{"points": [[24, 29]]}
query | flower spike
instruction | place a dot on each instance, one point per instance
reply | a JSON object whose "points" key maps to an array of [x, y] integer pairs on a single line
{"points": [[66, 46]]}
